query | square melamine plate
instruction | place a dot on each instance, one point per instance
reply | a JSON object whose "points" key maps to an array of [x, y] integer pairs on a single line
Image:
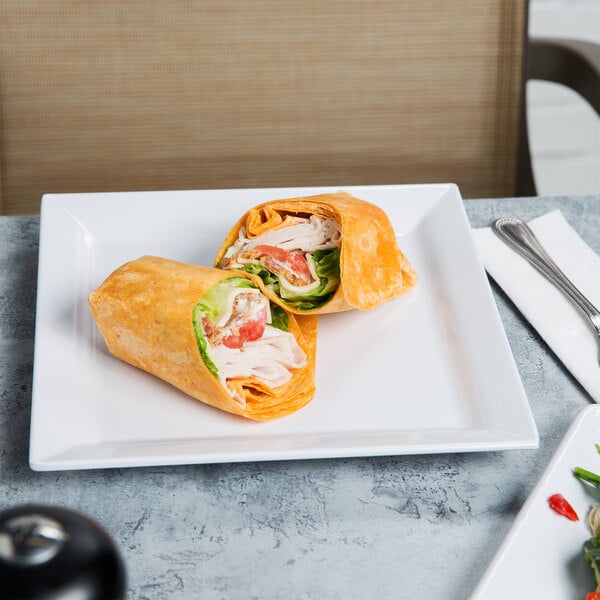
{"points": [[542, 555], [428, 372]]}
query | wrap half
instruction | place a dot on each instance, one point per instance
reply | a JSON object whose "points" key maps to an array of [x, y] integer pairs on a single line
{"points": [[211, 333], [319, 254]]}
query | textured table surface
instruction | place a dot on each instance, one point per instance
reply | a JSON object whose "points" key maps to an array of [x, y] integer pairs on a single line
{"points": [[389, 527]]}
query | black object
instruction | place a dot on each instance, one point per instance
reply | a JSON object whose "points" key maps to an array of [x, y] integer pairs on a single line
{"points": [[48, 552]]}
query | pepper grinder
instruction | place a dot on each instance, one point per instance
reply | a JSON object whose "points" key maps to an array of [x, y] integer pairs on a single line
{"points": [[49, 552]]}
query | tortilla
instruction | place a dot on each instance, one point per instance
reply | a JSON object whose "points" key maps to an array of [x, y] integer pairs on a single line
{"points": [[373, 270], [144, 313]]}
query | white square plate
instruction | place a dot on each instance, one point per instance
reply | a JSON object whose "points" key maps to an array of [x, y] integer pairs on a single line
{"points": [[542, 555], [428, 372]]}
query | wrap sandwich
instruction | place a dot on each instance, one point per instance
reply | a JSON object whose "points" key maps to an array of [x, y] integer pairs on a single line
{"points": [[319, 254], [211, 333]]}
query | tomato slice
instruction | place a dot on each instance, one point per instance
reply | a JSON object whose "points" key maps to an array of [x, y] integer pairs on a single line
{"points": [[246, 324], [248, 332], [559, 504], [296, 262]]}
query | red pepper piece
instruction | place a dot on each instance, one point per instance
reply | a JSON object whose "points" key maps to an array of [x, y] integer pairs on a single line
{"points": [[559, 504], [593, 596]]}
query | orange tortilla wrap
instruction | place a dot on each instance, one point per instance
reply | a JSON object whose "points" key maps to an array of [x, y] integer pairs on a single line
{"points": [[144, 312], [373, 270]]}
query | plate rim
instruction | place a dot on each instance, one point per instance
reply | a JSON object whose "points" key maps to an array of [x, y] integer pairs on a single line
{"points": [[497, 440]]}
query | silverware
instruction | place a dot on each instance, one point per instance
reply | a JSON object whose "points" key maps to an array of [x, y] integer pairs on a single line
{"points": [[520, 238]]}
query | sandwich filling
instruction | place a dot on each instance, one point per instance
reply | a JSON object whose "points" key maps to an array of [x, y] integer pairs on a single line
{"points": [[299, 262], [241, 335]]}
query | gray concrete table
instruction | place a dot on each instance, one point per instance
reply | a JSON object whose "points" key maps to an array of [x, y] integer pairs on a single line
{"points": [[410, 527]]}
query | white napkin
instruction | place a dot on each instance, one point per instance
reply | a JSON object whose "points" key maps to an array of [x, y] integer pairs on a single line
{"points": [[564, 328]]}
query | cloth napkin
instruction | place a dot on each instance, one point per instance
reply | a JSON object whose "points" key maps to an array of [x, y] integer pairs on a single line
{"points": [[558, 321]]}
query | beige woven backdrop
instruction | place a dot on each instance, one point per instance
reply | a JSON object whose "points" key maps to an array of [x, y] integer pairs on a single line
{"points": [[163, 94]]}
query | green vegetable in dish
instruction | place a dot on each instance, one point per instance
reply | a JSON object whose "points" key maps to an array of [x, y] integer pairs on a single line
{"points": [[215, 302], [591, 547], [587, 476], [592, 554], [279, 317], [327, 268]]}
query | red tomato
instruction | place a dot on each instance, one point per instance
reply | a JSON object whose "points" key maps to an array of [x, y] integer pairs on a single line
{"points": [[248, 331], [593, 596], [295, 261], [233, 341], [559, 504]]}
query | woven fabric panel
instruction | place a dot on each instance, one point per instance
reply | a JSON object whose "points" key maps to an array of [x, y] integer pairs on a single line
{"points": [[135, 95]]}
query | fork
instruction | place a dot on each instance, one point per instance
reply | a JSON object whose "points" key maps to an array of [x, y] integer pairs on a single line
{"points": [[520, 238]]}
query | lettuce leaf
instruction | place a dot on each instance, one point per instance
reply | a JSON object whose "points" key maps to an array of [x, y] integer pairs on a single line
{"points": [[214, 303], [327, 266], [279, 317], [201, 340]]}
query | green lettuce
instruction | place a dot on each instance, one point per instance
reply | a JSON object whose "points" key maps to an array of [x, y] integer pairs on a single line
{"points": [[591, 550], [279, 317], [327, 267], [214, 305], [201, 340]]}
